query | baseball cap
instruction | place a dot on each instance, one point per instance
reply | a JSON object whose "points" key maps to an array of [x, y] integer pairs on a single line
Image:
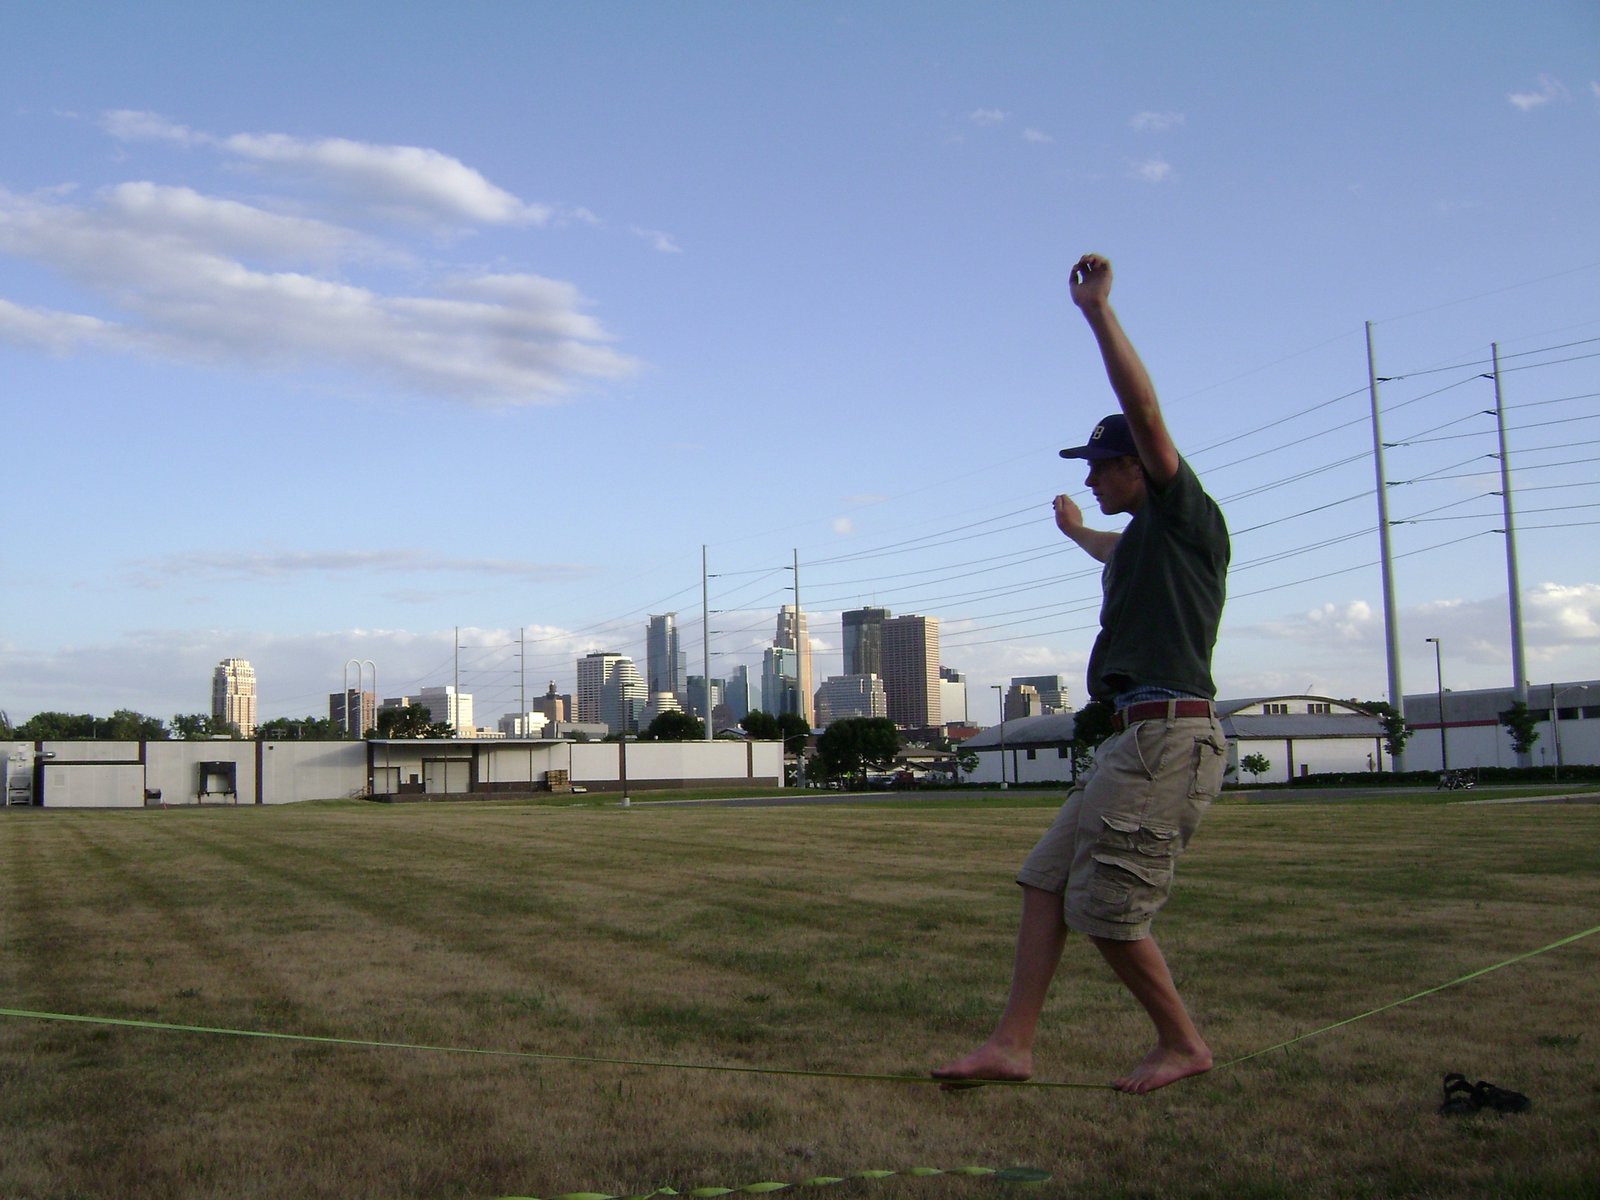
{"points": [[1111, 439]]}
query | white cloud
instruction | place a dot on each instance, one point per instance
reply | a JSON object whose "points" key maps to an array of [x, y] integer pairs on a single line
{"points": [[843, 526], [1156, 122], [1152, 170], [1549, 89], [400, 177], [662, 242], [196, 278], [270, 564], [986, 116], [129, 125], [1036, 135], [409, 180]]}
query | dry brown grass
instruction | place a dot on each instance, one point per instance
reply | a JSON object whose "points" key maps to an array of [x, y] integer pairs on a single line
{"points": [[866, 940]]}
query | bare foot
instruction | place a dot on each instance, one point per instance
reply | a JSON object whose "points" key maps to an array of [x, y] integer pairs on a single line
{"points": [[987, 1062], [1163, 1066]]}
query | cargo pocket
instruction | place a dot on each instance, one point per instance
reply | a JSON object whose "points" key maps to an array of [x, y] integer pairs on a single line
{"points": [[1210, 762], [1133, 862]]}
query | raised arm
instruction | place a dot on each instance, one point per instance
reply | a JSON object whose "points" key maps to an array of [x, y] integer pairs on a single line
{"points": [[1091, 292], [1098, 543]]}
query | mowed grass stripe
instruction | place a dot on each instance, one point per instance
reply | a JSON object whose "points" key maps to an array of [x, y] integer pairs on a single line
{"points": [[838, 938]]}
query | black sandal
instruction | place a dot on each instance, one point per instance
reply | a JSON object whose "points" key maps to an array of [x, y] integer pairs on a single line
{"points": [[1459, 1096], [1487, 1095]]}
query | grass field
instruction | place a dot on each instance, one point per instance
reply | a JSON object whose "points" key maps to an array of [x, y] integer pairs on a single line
{"points": [[856, 939]]}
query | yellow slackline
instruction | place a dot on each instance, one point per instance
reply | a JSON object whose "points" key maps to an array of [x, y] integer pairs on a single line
{"points": [[1000, 1174], [169, 1027], [1003, 1174]]}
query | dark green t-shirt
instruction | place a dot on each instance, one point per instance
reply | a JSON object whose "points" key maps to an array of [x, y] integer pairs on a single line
{"points": [[1163, 592]]}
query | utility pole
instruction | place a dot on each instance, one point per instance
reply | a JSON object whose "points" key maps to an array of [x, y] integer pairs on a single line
{"points": [[799, 675], [705, 635], [1519, 666], [1391, 618]]}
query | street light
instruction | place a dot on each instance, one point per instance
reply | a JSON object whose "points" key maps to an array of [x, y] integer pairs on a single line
{"points": [[1438, 671], [1555, 717], [1002, 698]]}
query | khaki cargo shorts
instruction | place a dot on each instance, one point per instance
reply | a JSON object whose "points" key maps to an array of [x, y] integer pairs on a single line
{"points": [[1114, 844]]}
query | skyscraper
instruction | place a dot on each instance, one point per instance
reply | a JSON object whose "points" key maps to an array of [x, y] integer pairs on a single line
{"points": [[792, 635], [741, 701], [665, 661], [1052, 691], [952, 697], [593, 671], [233, 695], [446, 706], [624, 697], [863, 640], [354, 711], [780, 682], [911, 671], [844, 696]]}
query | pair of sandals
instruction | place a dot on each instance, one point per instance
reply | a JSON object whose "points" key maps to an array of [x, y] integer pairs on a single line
{"points": [[1461, 1097]]}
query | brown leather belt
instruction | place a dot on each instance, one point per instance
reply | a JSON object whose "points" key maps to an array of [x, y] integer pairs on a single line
{"points": [[1161, 710]]}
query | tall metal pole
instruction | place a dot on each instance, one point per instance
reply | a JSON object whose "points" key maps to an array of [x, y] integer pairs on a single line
{"points": [[1002, 697], [1438, 674], [705, 635], [1519, 666], [1391, 618], [522, 680], [799, 674]]}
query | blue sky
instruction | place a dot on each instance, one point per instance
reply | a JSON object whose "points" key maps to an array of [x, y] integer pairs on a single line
{"points": [[327, 330]]}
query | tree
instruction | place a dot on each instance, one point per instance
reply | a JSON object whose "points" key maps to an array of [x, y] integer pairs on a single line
{"points": [[1519, 722], [1396, 731], [967, 759], [411, 721], [674, 727], [794, 731], [1255, 764], [762, 726], [200, 726], [1091, 725], [56, 726], [853, 746], [303, 729]]}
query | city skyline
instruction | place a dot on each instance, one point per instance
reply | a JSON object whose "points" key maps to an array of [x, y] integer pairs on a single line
{"points": [[609, 250]]}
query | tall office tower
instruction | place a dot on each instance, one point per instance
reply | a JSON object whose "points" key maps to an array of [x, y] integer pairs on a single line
{"points": [[623, 697], [665, 663], [863, 640], [952, 696], [744, 693], [1022, 700], [1052, 689], [780, 682], [523, 725], [554, 705], [233, 695], [353, 711], [446, 705], [911, 671], [593, 671], [697, 696], [844, 696], [793, 635]]}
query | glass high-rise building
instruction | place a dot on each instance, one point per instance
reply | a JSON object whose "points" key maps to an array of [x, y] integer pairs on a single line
{"points": [[793, 635], [665, 661], [862, 641]]}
